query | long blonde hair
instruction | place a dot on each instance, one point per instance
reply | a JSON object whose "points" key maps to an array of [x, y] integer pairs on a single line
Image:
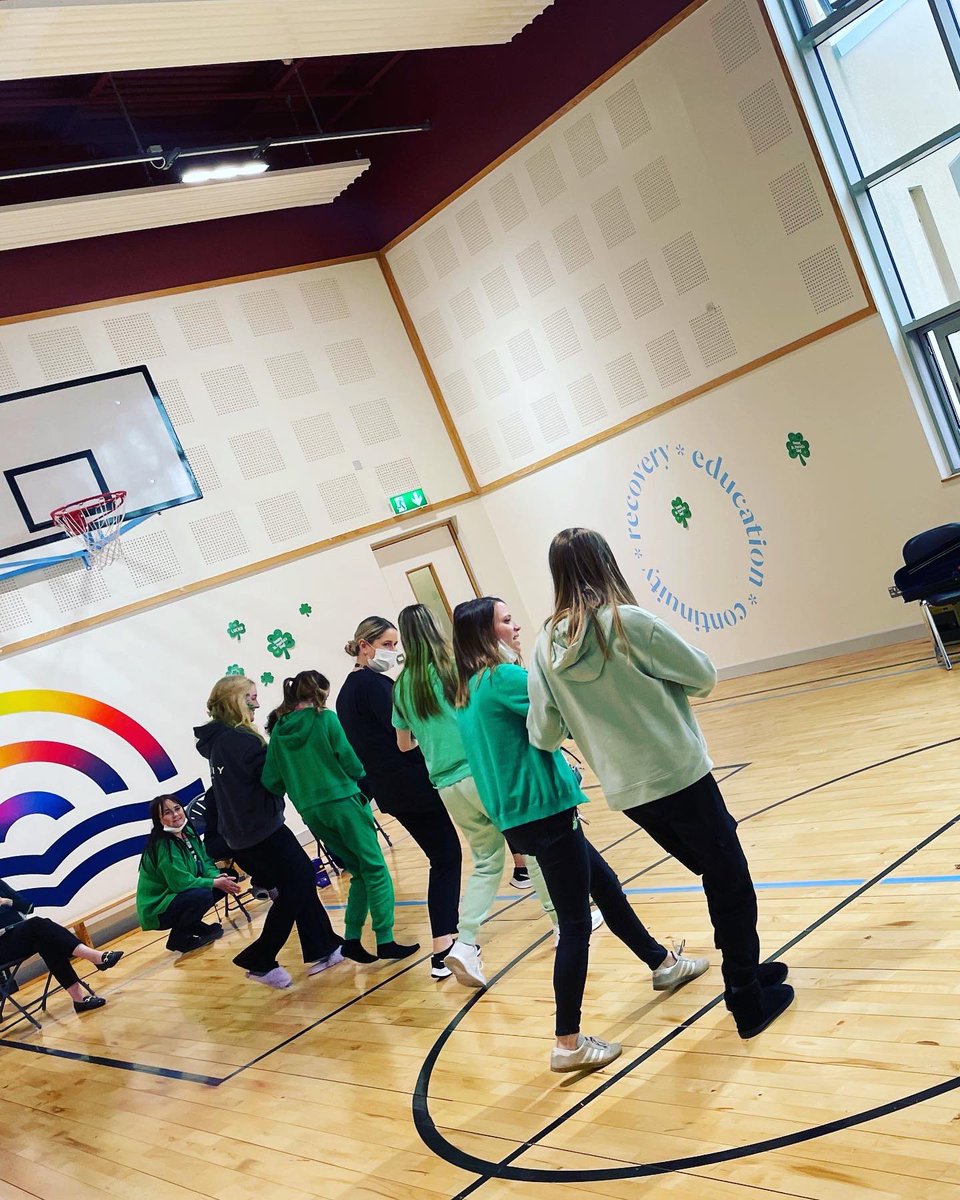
{"points": [[225, 703], [369, 629], [586, 577]]}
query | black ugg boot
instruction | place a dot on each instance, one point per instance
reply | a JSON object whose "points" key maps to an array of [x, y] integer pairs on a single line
{"points": [[755, 1007], [769, 973]]}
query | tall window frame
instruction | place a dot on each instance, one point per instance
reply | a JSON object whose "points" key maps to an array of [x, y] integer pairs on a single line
{"points": [[931, 338]]}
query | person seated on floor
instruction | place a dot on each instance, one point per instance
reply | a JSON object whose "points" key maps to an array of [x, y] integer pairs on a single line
{"points": [[178, 882], [23, 934]]}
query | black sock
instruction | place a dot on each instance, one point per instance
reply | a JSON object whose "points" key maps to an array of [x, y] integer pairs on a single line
{"points": [[396, 950], [353, 949]]}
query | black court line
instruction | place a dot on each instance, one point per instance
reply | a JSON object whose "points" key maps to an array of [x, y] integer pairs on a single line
{"points": [[435, 1141], [802, 683], [192, 1077]]}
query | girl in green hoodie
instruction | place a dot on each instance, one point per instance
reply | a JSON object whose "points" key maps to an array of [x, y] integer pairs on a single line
{"points": [[617, 679], [311, 760], [532, 796]]}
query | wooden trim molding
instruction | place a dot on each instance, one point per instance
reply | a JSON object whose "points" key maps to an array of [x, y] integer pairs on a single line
{"points": [[136, 297], [451, 525], [431, 380], [204, 585]]}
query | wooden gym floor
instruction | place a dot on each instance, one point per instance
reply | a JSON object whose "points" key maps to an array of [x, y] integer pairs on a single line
{"points": [[380, 1083]]}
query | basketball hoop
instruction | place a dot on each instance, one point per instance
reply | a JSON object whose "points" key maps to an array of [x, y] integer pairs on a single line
{"points": [[97, 520]]}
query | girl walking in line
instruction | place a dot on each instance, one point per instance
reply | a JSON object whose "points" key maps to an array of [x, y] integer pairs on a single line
{"points": [[251, 821], [532, 796], [423, 713], [617, 679], [311, 760], [399, 782]]}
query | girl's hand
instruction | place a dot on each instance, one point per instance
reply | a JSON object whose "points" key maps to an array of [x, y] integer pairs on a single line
{"points": [[6, 902], [227, 884]]}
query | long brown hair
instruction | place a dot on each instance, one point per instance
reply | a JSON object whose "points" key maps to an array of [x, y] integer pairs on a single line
{"points": [[586, 577], [311, 687], [476, 646], [424, 646]]}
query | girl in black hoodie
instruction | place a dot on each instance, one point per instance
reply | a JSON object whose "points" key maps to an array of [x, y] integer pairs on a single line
{"points": [[251, 822]]}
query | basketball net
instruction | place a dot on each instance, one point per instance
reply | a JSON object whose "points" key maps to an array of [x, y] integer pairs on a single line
{"points": [[97, 520]]}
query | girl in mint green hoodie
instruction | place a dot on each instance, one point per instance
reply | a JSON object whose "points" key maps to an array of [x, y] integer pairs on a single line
{"points": [[617, 679], [311, 760]]}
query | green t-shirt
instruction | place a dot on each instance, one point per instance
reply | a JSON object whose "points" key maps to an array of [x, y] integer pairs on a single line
{"points": [[439, 737]]}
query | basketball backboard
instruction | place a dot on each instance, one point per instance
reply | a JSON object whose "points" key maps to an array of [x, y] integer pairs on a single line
{"points": [[60, 443]]}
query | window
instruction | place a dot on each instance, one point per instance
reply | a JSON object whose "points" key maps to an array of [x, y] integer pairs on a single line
{"points": [[887, 76]]}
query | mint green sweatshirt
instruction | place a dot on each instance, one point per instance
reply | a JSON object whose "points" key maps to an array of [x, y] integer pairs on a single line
{"points": [[516, 782], [628, 713], [311, 760]]}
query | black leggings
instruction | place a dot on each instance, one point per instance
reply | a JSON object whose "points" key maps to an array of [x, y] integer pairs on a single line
{"points": [[436, 836], [40, 935], [184, 915], [694, 826], [573, 871], [281, 857]]}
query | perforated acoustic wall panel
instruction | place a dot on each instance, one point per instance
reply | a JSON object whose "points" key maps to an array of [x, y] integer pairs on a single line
{"points": [[277, 388], [670, 228]]}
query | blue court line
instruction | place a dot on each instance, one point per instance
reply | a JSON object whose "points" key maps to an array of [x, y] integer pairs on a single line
{"points": [[771, 885]]}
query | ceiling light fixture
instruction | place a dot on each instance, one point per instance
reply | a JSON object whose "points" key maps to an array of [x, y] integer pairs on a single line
{"points": [[221, 171]]}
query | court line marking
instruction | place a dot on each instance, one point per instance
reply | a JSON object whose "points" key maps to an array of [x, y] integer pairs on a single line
{"points": [[435, 1141], [925, 661], [801, 690]]}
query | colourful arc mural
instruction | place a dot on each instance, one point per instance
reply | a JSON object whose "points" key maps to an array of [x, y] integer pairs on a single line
{"points": [[71, 704], [63, 755], [28, 804]]}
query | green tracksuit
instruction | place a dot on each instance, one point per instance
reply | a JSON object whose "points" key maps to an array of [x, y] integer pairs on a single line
{"points": [[311, 760]]}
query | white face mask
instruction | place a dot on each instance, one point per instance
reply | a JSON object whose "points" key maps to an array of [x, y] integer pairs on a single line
{"points": [[383, 660], [175, 828], [507, 653]]}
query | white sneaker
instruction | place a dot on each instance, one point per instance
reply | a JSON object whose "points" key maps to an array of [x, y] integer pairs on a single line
{"points": [[322, 964], [596, 920], [591, 1054], [465, 963], [675, 974], [276, 978]]}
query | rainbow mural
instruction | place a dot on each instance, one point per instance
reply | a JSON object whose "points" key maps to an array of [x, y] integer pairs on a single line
{"points": [[66, 838]]}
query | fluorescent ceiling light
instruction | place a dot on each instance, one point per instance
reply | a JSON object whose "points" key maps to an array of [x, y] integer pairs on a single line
{"points": [[224, 171]]}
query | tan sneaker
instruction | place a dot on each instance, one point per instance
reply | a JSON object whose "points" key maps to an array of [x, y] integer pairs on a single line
{"points": [[673, 975], [591, 1054]]}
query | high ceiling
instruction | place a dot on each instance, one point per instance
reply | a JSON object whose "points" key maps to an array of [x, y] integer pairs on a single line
{"points": [[480, 100]]}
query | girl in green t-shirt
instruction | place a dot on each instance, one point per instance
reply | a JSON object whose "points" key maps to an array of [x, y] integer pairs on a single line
{"points": [[423, 713]]}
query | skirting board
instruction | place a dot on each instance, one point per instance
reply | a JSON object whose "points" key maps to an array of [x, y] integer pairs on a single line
{"points": [[909, 633]]}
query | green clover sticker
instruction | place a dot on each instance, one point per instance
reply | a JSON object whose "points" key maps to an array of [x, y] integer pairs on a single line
{"points": [[798, 447], [681, 511], [266, 677], [236, 629], [305, 609], [234, 669], [280, 643]]}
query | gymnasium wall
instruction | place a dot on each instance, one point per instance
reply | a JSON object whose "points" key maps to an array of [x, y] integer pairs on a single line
{"points": [[299, 403]]}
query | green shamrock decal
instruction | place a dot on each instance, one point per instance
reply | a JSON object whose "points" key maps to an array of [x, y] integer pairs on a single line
{"points": [[305, 609], [280, 643], [266, 677], [236, 629], [234, 669], [681, 511], [798, 447]]}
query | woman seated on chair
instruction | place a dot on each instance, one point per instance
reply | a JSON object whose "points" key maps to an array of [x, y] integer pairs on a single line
{"points": [[178, 882], [22, 934]]}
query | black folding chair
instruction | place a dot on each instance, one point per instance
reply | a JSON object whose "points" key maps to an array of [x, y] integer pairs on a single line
{"points": [[196, 814], [931, 574], [9, 987]]}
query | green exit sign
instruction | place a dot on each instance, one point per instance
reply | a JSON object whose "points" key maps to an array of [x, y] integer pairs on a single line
{"points": [[407, 502]]}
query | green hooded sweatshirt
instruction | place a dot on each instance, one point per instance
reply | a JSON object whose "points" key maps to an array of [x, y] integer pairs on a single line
{"points": [[311, 760], [628, 713]]}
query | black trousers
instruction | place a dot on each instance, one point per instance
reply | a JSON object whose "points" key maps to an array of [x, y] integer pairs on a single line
{"points": [[185, 913], [436, 836], [694, 826], [573, 871], [282, 858], [40, 935]]}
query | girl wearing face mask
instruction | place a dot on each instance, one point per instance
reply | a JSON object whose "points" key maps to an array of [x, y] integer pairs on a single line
{"points": [[532, 797], [399, 782], [251, 821], [178, 883]]}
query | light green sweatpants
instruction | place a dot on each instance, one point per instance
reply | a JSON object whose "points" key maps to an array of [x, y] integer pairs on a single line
{"points": [[489, 849]]}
